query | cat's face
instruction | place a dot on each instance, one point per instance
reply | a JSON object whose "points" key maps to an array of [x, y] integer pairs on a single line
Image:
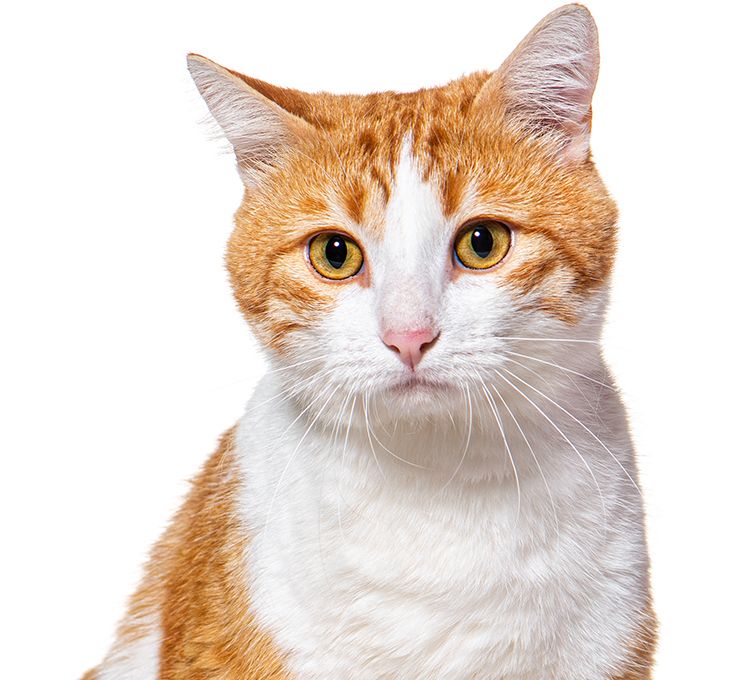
{"points": [[390, 245]]}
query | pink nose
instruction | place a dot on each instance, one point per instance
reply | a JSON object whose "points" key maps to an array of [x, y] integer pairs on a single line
{"points": [[410, 345]]}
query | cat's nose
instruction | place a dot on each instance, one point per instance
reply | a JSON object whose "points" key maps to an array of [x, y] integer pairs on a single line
{"points": [[410, 345]]}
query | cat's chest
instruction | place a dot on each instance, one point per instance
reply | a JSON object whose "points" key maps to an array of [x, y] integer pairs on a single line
{"points": [[359, 587], [415, 599]]}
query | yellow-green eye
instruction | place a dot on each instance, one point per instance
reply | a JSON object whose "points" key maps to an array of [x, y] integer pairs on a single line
{"points": [[335, 256], [483, 244]]}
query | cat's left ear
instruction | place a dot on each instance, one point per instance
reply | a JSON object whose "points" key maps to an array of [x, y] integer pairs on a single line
{"points": [[546, 85]]}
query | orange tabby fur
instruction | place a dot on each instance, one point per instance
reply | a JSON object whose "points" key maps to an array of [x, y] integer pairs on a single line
{"points": [[196, 582]]}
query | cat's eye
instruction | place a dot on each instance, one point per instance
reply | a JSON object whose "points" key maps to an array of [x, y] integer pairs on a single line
{"points": [[335, 256], [483, 244]]}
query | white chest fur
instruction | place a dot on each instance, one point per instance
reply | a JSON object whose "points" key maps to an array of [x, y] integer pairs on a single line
{"points": [[364, 567]]}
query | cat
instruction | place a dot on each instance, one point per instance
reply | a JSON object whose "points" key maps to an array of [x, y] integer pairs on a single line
{"points": [[436, 478]]}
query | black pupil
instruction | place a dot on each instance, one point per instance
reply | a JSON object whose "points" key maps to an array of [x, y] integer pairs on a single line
{"points": [[336, 251], [481, 241]]}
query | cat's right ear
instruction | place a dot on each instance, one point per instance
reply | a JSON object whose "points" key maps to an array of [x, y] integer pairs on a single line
{"points": [[257, 127]]}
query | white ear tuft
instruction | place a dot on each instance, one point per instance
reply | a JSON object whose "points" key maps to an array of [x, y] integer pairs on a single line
{"points": [[258, 128], [547, 83]]}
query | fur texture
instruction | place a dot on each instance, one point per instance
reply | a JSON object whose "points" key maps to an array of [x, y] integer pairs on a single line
{"points": [[476, 515]]}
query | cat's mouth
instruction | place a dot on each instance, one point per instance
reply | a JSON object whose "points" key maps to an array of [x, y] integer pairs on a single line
{"points": [[414, 383]]}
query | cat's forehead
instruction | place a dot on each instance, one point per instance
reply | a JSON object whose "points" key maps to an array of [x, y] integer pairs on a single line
{"points": [[365, 138], [378, 121]]}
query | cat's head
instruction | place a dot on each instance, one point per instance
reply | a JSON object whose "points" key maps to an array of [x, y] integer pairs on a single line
{"points": [[392, 244]]}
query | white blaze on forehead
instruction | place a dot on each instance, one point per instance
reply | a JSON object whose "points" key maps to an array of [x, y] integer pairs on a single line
{"points": [[410, 266]]}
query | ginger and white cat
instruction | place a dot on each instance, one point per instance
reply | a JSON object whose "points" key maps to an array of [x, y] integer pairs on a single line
{"points": [[436, 479]]}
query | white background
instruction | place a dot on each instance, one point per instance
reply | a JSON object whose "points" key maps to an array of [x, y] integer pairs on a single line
{"points": [[122, 358]]}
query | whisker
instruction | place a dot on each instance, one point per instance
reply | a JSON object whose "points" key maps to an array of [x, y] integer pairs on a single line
{"points": [[281, 369], [335, 431], [272, 371], [569, 378], [396, 456], [563, 368], [498, 420], [303, 411], [536, 460], [509, 337], [470, 421], [341, 463], [369, 434], [583, 425], [450, 417], [292, 390], [564, 436], [378, 417]]}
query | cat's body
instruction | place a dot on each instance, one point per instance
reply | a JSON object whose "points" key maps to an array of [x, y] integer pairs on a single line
{"points": [[463, 505]]}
